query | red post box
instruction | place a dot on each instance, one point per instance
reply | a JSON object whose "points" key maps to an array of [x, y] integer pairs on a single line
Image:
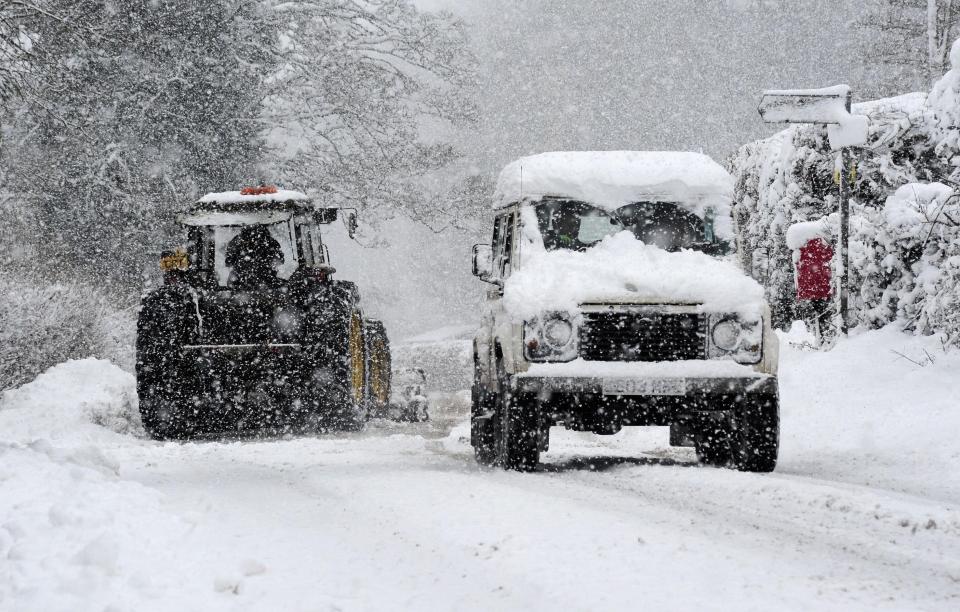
{"points": [[813, 271]]}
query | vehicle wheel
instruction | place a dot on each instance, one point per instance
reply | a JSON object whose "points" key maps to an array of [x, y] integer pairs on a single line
{"points": [[378, 368], [340, 379], [163, 378], [482, 420], [755, 435], [482, 426], [518, 429], [712, 443], [417, 411]]}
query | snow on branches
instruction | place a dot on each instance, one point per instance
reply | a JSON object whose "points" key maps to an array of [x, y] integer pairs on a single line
{"points": [[355, 88]]}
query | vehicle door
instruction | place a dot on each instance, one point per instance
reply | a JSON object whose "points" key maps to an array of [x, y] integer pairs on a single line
{"points": [[505, 255]]}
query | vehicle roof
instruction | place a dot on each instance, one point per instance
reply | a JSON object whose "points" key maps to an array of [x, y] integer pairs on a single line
{"points": [[237, 208], [611, 179]]}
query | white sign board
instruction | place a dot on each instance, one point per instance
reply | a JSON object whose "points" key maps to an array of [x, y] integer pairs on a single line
{"points": [[828, 105], [824, 106]]}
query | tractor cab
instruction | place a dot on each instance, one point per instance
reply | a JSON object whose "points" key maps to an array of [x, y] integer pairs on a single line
{"points": [[256, 237]]}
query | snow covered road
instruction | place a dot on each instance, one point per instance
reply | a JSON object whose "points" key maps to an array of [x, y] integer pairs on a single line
{"points": [[863, 513]]}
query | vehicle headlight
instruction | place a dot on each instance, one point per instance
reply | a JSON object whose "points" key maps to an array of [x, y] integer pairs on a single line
{"points": [[732, 337], [557, 332], [726, 334], [550, 337]]}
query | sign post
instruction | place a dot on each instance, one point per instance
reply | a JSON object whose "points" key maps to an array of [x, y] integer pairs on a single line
{"points": [[831, 107]]}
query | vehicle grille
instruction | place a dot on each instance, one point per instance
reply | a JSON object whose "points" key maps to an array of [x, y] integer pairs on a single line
{"points": [[642, 336]]}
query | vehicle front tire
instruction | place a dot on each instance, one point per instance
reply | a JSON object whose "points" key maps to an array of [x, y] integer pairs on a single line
{"points": [[518, 429], [755, 435], [482, 427], [712, 443]]}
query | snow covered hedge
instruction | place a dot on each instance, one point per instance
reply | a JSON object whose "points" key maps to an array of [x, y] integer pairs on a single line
{"points": [[905, 217], [42, 325]]}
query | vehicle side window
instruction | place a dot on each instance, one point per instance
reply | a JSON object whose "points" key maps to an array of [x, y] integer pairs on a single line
{"points": [[508, 236], [497, 230], [317, 244], [303, 244]]}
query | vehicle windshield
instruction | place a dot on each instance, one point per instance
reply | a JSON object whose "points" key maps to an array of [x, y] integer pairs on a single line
{"points": [[566, 224]]}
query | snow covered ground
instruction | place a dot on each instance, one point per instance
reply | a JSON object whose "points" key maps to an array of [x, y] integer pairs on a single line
{"points": [[863, 511]]}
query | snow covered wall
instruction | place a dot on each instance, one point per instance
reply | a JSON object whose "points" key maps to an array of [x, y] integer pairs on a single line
{"points": [[905, 218]]}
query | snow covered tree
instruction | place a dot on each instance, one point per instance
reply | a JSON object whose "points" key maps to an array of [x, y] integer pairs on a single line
{"points": [[161, 105], [910, 40], [905, 241], [162, 100], [361, 97]]}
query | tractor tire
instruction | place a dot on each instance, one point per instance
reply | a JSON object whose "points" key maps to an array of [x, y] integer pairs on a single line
{"points": [[378, 368], [164, 389], [339, 361]]}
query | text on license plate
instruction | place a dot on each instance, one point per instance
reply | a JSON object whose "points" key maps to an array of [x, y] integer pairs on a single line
{"points": [[645, 386]]}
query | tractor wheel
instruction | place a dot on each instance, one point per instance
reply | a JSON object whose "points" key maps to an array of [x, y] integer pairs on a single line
{"points": [[163, 372], [339, 382], [378, 368]]}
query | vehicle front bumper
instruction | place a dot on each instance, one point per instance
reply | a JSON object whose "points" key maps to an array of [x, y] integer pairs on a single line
{"points": [[683, 378]]}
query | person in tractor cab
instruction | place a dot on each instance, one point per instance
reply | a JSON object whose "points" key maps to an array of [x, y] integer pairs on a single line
{"points": [[254, 257]]}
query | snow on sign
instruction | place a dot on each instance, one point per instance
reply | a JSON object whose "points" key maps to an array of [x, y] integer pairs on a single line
{"points": [[829, 106]]}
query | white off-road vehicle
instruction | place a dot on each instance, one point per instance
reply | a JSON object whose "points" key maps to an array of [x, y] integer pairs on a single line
{"points": [[614, 301]]}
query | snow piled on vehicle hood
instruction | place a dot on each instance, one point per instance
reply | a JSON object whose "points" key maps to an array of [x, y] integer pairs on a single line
{"points": [[621, 268]]}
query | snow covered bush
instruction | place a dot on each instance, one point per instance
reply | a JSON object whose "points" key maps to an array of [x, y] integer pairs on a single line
{"points": [[904, 232], [43, 325]]}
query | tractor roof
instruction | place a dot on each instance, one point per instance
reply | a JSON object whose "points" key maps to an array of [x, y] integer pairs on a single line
{"points": [[249, 206]]}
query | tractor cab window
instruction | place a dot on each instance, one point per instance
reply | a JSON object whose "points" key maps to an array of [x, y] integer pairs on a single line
{"points": [[261, 248], [310, 245]]}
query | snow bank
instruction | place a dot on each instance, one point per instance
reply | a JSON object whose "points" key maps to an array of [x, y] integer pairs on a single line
{"points": [[611, 179], [880, 409], [87, 398], [620, 267], [74, 535]]}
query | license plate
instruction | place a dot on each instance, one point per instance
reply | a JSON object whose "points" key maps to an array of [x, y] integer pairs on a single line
{"points": [[645, 386]]}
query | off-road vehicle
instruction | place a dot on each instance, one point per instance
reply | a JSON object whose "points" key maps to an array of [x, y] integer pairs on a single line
{"points": [[250, 331], [614, 301]]}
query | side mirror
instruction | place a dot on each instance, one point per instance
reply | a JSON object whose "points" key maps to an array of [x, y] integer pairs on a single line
{"points": [[483, 262], [352, 224], [325, 215]]}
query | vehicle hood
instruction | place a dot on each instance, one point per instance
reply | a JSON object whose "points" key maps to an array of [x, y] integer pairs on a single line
{"points": [[621, 269]]}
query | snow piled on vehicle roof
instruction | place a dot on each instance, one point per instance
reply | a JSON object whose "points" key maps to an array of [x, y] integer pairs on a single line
{"points": [[236, 197], [611, 179], [621, 268]]}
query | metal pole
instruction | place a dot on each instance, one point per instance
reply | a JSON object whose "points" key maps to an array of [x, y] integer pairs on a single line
{"points": [[844, 237]]}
